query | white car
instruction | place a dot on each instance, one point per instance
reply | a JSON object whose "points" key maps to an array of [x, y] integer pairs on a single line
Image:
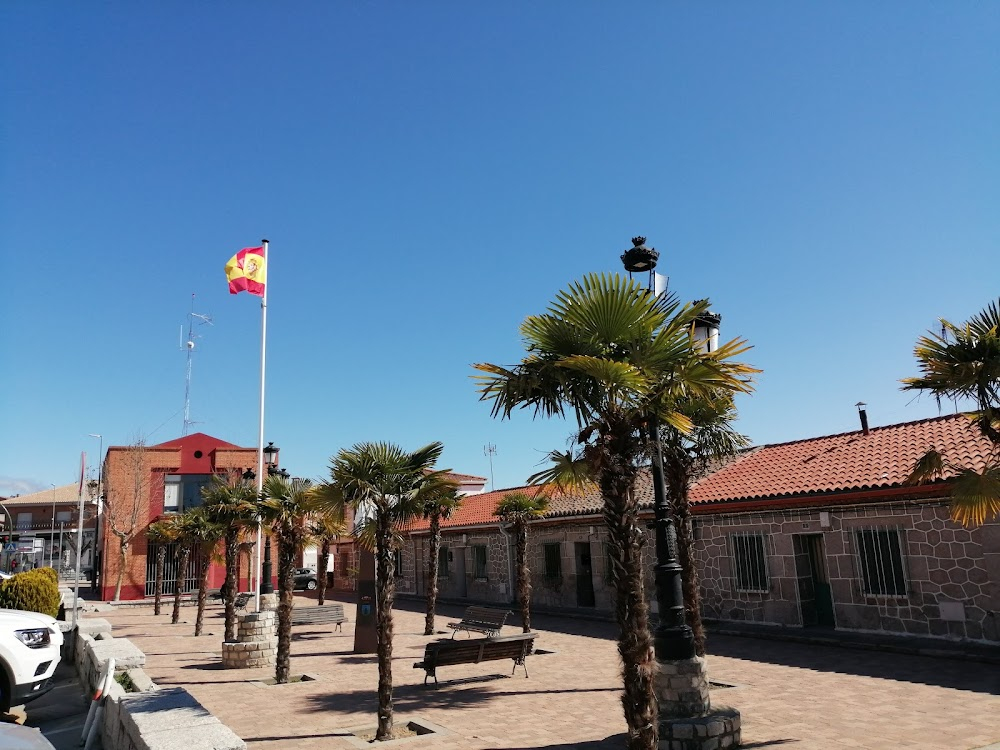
{"points": [[29, 654]]}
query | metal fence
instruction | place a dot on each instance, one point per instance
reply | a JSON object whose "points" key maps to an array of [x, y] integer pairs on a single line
{"points": [[170, 570]]}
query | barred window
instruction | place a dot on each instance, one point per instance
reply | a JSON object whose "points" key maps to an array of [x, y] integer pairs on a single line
{"points": [[749, 562], [345, 563], [479, 561], [553, 561], [881, 562], [397, 561], [443, 557]]}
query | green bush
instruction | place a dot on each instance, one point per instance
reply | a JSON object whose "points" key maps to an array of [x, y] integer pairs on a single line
{"points": [[32, 590]]}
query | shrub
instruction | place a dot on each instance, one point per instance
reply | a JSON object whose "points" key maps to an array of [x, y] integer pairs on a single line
{"points": [[32, 590]]}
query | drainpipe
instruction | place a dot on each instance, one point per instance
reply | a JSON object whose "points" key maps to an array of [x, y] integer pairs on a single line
{"points": [[510, 565]]}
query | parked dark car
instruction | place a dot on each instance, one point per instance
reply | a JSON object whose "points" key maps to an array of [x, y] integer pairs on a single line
{"points": [[305, 579]]}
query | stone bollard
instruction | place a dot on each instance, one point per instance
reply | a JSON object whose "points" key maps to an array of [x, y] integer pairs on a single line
{"points": [[257, 644]]}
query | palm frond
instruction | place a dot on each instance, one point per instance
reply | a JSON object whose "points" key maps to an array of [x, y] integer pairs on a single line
{"points": [[975, 496], [568, 472], [929, 467]]}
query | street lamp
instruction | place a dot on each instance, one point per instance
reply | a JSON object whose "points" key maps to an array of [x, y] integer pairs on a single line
{"points": [[672, 638], [271, 462]]}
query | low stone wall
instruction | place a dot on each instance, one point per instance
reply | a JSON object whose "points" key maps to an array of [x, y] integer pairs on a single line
{"points": [[150, 718], [256, 646]]}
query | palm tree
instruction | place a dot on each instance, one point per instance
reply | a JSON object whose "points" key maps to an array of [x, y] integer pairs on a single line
{"points": [[439, 498], [963, 362], [686, 457], [184, 544], [518, 508], [161, 533], [204, 533], [233, 504], [381, 482], [286, 505], [615, 356], [324, 528]]}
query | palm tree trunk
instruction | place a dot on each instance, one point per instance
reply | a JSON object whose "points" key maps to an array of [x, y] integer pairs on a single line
{"points": [[232, 575], [161, 559], [182, 564], [677, 479], [615, 456], [385, 590], [286, 587], [432, 573], [324, 563], [206, 562], [523, 575]]}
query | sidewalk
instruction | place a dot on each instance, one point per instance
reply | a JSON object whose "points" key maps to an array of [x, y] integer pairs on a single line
{"points": [[804, 696]]}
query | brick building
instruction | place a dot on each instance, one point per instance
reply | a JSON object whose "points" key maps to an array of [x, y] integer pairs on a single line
{"points": [[142, 485], [40, 528], [822, 532]]}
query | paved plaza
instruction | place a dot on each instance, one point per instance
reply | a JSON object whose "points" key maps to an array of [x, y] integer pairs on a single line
{"points": [[794, 696]]}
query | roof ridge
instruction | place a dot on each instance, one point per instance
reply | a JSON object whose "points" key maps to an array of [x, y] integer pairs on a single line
{"points": [[881, 428]]}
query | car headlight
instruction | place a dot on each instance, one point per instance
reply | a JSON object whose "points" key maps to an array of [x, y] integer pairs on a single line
{"points": [[34, 638]]}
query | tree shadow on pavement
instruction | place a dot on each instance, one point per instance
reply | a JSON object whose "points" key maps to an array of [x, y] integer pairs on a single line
{"points": [[614, 742]]}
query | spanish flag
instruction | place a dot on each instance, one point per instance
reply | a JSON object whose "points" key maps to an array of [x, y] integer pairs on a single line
{"points": [[247, 271]]}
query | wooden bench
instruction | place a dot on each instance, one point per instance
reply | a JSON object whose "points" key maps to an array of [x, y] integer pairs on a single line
{"points": [[481, 620], [319, 615], [447, 652], [240, 602]]}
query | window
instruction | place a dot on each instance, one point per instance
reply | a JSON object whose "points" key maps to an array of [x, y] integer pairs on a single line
{"points": [[24, 520], [182, 492], [479, 561], [443, 557], [345, 563], [749, 562], [881, 562], [397, 559], [553, 561], [64, 516]]}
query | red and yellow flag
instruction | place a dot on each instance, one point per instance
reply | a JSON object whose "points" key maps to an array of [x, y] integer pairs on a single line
{"points": [[247, 271]]}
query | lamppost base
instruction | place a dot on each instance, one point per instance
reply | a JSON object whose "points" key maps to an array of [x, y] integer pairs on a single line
{"points": [[673, 643]]}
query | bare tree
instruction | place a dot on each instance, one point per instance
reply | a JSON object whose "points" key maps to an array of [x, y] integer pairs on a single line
{"points": [[124, 500]]}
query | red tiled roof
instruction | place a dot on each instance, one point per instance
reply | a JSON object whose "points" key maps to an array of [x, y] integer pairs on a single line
{"points": [[881, 459], [466, 477], [475, 509]]}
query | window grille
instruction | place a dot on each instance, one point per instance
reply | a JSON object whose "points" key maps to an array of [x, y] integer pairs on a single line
{"points": [[345, 563], [443, 557], [479, 561], [749, 562], [553, 561], [881, 562]]}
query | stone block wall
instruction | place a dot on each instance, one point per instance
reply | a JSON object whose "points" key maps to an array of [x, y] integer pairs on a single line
{"points": [[952, 574]]}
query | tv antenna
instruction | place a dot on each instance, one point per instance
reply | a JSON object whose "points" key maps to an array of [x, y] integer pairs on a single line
{"points": [[189, 347], [490, 450]]}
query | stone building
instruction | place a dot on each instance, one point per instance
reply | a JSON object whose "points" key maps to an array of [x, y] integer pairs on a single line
{"points": [[823, 532]]}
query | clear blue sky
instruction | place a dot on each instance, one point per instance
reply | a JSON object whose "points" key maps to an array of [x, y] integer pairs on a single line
{"points": [[430, 173]]}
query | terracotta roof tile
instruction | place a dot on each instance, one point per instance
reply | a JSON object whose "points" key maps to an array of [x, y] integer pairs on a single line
{"points": [[849, 461], [475, 509]]}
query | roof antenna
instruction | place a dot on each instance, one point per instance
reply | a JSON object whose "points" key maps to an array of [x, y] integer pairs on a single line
{"points": [[490, 450], [864, 416], [189, 346]]}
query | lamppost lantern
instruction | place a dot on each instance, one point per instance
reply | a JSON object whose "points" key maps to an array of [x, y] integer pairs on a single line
{"points": [[639, 258], [706, 330], [249, 475], [271, 454]]}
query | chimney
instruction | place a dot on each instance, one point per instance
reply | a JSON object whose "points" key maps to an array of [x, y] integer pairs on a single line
{"points": [[864, 416]]}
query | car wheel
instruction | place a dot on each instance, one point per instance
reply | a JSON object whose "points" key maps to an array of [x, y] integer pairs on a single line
{"points": [[310, 585]]}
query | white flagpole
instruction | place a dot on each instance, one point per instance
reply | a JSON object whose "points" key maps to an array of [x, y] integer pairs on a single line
{"points": [[260, 431], [79, 540]]}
